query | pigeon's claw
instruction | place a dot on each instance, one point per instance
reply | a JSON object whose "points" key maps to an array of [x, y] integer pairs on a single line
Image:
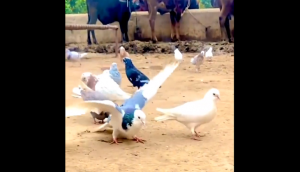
{"points": [[115, 141], [138, 140]]}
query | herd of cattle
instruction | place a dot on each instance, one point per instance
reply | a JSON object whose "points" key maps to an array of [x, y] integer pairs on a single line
{"points": [[120, 10]]}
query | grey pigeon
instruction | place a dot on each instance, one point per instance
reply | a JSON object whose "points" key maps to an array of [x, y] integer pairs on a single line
{"points": [[74, 56], [198, 60], [127, 119]]}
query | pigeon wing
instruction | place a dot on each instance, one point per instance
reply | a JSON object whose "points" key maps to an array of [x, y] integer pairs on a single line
{"points": [[110, 89], [86, 106], [150, 89]]}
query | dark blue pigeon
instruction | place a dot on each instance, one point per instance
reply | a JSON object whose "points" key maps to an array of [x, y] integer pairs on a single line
{"points": [[127, 119], [136, 77]]}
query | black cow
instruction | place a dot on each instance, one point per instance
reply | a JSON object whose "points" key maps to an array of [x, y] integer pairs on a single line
{"points": [[109, 11]]}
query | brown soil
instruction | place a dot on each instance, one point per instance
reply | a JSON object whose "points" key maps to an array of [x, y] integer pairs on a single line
{"points": [[161, 47], [168, 147]]}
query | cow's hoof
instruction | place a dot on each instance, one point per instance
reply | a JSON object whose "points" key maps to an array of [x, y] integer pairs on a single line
{"points": [[154, 41], [174, 39]]}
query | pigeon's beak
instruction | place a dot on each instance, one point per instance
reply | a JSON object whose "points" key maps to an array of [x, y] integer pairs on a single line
{"points": [[144, 123], [218, 97]]}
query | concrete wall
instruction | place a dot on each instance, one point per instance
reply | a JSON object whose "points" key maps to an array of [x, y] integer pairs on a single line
{"points": [[190, 28]]}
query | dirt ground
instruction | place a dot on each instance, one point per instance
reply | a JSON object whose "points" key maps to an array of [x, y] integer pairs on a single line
{"points": [[168, 147]]}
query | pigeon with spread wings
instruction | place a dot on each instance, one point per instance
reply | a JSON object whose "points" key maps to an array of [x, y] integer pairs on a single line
{"points": [[128, 118]]}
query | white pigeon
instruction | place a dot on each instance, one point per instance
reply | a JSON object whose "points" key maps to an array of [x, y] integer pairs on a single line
{"points": [[198, 60], [195, 113], [209, 54], [105, 85], [128, 118], [178, 55], [74, 56]]}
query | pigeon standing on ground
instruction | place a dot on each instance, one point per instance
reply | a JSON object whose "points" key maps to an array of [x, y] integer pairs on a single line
{"points": [[136, 77], [198, 60], [114, 73], [178, 55], [209, 54], [195, 113], [74, 56], [128, 119]]}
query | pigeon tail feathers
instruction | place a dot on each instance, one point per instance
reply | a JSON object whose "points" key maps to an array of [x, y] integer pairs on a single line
{"points": [[167, 115]]}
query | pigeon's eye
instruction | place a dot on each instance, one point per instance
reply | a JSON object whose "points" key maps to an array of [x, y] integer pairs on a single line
{"points": [[139, 117], [214, 94]]}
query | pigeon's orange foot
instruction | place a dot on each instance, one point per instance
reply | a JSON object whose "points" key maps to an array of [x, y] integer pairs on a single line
{"points": [[138, 140], [115, 141]]}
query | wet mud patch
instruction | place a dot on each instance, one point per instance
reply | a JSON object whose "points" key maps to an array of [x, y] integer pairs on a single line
{"points": [[139, 47]]}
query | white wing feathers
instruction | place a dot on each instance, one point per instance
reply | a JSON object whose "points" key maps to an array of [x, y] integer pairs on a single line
{"points": [[110, 89], [150, 89], [83, 107]]}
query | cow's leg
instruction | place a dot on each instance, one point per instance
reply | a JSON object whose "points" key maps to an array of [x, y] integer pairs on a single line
{"points": [[227, 27], [124, 25], [88, 32], [93, 20], [232, 35], [152, 10], [178, 17], [124, 30], [173, 24]]}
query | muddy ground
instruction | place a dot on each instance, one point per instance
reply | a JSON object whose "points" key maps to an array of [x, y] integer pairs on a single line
{"points": [[219, 48], [168, 147]]}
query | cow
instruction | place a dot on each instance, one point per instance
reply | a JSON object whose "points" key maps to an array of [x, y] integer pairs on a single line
{"points": [[227, 9], [109, 11], [176, 9]]}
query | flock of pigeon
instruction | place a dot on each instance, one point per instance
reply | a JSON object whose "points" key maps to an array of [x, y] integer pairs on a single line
{"points": [[100, 93]]}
